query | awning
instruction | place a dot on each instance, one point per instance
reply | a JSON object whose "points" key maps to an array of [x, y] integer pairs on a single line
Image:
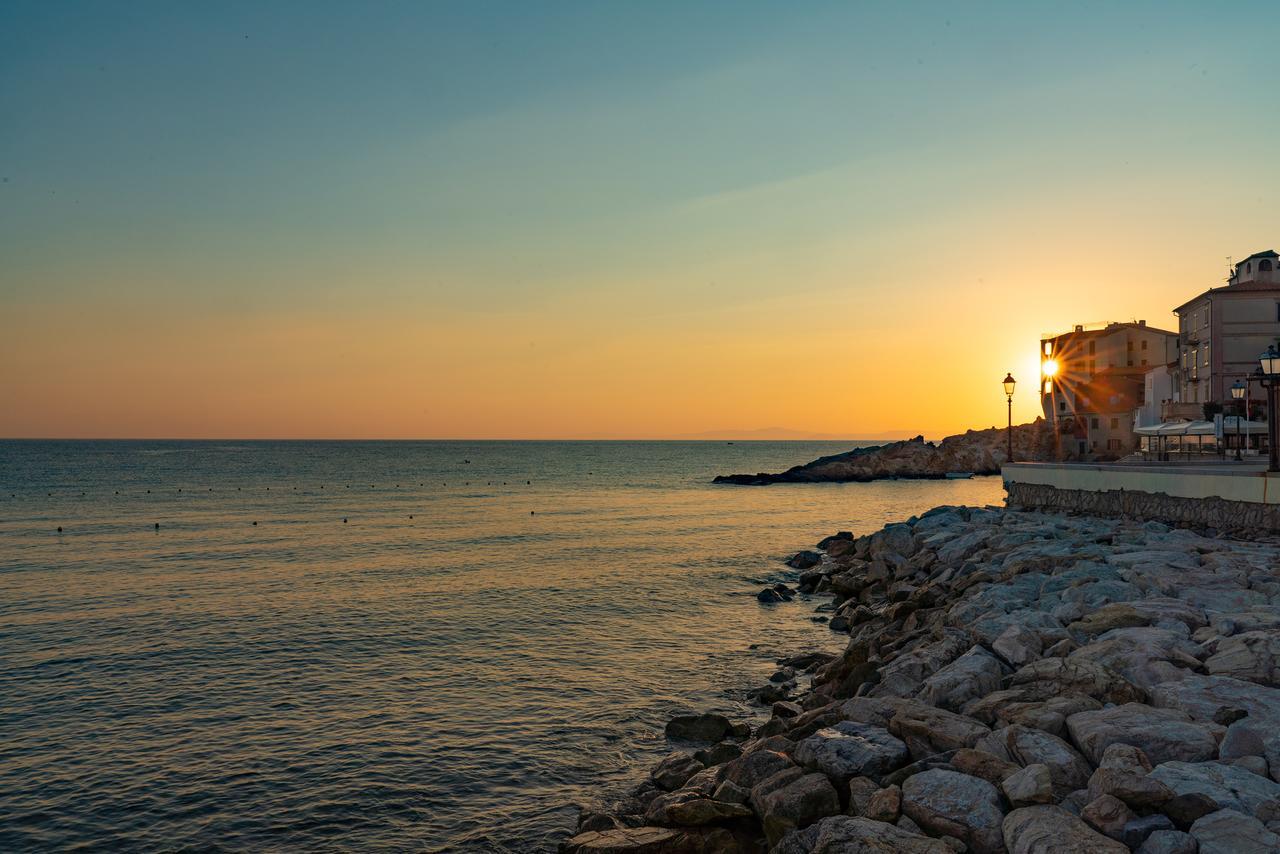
{"points": [[1202, 428]]}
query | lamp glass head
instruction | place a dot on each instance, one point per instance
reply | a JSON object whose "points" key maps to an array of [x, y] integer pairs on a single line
{"points": [[1009, 382], [1238, 390], [1270, 362]]}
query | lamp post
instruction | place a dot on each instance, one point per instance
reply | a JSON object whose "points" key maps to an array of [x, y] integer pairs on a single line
{"points": [[1270, 364], [1237, 392], [1009, 383]]}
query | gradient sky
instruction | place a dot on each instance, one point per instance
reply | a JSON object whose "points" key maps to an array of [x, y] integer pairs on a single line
{"points": [[611, 219]]}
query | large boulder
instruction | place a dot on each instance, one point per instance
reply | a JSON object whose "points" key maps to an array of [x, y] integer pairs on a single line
{"points": [[1050, 829], [674, 771], [1031, 785], [1052, 677], [948, 803], [1252, 656], [1068, 770], [1231, 832], [928, 731], [689, 809], [972, 675], [850, 749], [1163, 734], [797, 804], [848, 835], [1231, 787], [750, 769], [1144, 656], [708, 727]]}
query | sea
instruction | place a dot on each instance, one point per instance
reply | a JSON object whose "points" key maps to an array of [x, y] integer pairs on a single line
{"points": [[385, 646]]}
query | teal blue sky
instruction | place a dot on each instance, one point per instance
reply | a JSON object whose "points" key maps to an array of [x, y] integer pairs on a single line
{"points": [[502, 182]]}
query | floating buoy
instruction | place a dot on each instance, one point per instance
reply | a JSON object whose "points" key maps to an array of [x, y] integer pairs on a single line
{"points": [[255, 524], [157, 526], [410, 515], [527, 482], [530, 512], [344, 520], [59, 529], [148, 492]]}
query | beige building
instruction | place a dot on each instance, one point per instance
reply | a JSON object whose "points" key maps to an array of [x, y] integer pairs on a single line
{"points": [[1222, 331], [1094, 379]]}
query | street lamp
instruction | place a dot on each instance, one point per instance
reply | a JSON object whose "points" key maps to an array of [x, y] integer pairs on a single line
{"points": [[1009, 383], [1270, 366], [1237, 392]]}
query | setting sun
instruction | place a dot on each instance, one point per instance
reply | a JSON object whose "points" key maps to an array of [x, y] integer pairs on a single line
{"points": [[1049, 367]]}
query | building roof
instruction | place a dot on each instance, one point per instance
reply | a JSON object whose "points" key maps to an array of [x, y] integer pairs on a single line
{"points": [[1106, 330], [1273, 287], [1266, 253]]}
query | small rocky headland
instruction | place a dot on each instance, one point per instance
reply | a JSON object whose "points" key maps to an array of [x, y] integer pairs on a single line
{"points": [[1014, 682], [974, 452]]}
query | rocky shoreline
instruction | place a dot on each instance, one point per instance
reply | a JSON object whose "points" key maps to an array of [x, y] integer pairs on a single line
{"points": [[975, 452], [1014, 682]]}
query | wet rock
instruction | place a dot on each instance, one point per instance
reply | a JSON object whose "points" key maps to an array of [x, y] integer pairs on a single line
{"points": [[786, 709], [769, 596], [848, 835], [885, 804], [752, 768], [1163, 734], [804, 560], [689, 809], [673, 771], [708, 727], [1108, 815], [1231, 832], [1030, 785], [652, 840], [718, 754], [1050, 829], [851, 749], [731, 793], [972, 675], [797, 804], [1143, 656], [955, 804], [892, 540], [1169, 842], [1229, 786]]}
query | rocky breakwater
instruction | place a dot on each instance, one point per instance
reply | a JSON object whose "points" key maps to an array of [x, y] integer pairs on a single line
{"points": [[1014, 682], [977, 451]]}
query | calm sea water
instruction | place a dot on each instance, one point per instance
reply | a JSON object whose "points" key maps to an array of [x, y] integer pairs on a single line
{"points": [[495, 634]]}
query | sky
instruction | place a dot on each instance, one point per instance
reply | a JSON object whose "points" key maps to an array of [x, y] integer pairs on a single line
{"points": [[604, 220]]}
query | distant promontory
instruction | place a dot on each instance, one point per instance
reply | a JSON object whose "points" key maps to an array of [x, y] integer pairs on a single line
{"points": [[975, 451]]}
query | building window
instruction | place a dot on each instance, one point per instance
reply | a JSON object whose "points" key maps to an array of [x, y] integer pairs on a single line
{"points": [[1093, 347], [1062, 406], [1129, 346], [1144, 363], [1115, 423], [1264, 266], [1093, 423], [1130, 363], [1144, 344], [1092, 366], [1206, 356]]}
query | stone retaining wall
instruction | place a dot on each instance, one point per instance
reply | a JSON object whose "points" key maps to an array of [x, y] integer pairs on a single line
{"points": [[1215, 513]]}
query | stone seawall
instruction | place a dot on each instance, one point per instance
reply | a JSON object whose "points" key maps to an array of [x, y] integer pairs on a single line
{"points": [[1216, 513]]}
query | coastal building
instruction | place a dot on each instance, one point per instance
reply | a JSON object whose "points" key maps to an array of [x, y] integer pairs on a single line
{"points": [[1094, 380], [1222, 331]]}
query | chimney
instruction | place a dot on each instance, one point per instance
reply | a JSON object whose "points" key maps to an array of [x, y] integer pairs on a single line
{"points": [[1142, 323]]}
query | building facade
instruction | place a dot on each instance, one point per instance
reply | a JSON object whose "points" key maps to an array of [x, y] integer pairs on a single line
{"points": [[1222, 331], [1094, 380]]}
